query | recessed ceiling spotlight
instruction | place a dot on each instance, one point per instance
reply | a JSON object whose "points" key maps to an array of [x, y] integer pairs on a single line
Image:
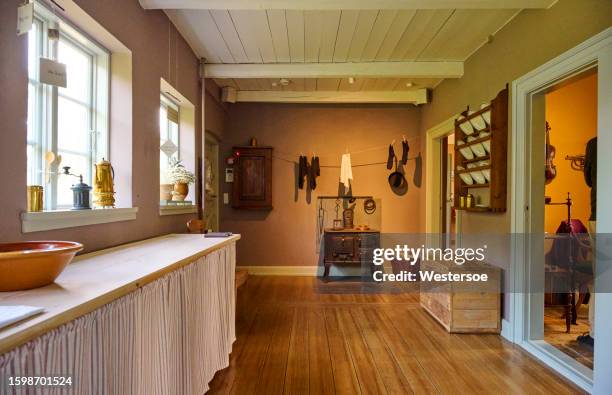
{"points": [[409, 84], [351, 80], [284, 81]]}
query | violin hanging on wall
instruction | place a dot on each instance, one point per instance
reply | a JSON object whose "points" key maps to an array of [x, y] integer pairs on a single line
{"points": [[550, 170]]}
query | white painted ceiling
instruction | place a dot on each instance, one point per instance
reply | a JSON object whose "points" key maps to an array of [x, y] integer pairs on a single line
{"points": [[317, 36]]}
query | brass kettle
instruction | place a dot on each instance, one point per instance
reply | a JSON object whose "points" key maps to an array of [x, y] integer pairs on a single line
{"points": [[104, 189]]}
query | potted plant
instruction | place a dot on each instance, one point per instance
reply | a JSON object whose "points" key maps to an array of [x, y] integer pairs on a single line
{"points": [[181, 178]]}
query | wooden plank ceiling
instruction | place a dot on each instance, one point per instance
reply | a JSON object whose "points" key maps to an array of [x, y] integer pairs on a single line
{"points": [[316, 36]]}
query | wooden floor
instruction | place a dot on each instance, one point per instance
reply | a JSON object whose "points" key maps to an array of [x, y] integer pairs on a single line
{"points": [[297, 335], [554, 333]]}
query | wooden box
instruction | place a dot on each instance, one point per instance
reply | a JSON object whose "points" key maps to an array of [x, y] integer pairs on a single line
{"points": [[464, 307], [252, 187]]}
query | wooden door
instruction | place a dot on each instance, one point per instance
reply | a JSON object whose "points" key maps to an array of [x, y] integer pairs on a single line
{"points": [[252, 178]]}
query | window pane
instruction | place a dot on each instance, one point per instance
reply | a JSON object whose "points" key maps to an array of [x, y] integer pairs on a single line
{"points": [[79, 164], [33, 50], [163, 124], [174, 132], [78, 70], [72, 126]]}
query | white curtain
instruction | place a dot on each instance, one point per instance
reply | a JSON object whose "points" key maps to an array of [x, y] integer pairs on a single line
{"points": [[168, 337]]}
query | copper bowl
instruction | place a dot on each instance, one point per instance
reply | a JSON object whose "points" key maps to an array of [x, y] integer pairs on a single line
{"points": [[33, 264]]}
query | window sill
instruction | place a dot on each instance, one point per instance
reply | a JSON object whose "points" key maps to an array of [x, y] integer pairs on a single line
{"points": [[178, 210], [60, 219]]}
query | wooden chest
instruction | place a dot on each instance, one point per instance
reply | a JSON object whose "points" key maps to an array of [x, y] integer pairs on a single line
{"points": [[464, 307], [349, 247]]}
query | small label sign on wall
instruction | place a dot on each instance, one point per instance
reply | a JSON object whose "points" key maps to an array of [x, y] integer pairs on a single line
{"points": [[25, 17], [52, 72]]}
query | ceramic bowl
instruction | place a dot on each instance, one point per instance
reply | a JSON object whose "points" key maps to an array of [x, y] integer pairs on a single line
{"points": [[465, 177], [466, 127], [487, 114], [466, 151], [477, 122], [487, 143], [478, 149], [33, 264]]}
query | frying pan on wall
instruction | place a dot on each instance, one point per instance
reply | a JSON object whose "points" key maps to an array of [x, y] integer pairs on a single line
{"points": [[397, 179]]}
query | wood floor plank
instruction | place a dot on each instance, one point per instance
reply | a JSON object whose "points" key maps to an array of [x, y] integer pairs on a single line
{"points": [[272, 375], [320, 367], [345, 378], [297, 375], [369, 378], [405, 358], [391, 374], [253, 356]]}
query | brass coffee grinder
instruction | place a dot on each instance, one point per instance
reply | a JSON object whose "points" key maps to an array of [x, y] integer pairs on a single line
{"points": [[104, 189]]}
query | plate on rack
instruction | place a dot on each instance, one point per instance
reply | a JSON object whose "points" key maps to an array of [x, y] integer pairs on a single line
{"points": [[465, 177], [466, 126], [478, 121], [487, 114], [485, 172], [486, 144], [477, 175], [465, 151], [478, 149]]}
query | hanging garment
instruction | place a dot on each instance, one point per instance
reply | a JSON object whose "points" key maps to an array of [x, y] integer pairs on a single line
{"points": [[590, 174], [572, 249], [302, 171], [390, 158], [346, 173], [405, 149], [313, 172]]}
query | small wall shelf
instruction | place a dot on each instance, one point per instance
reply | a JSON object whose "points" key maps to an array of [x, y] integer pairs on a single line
{"points": [[494, 192]]}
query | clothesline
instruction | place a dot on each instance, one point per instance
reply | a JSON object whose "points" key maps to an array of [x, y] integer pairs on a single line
{"points": [[353, 153], [335, 166]]}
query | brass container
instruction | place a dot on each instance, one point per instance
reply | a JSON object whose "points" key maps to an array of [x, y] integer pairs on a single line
{"points": [[104, 188], [35, 198]]}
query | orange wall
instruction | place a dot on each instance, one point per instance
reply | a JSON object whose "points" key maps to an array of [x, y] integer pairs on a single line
{"points": [[286, 234], [571, 112]]}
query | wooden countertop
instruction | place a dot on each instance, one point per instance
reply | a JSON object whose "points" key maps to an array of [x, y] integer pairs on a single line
{"points": [[95, 279]]}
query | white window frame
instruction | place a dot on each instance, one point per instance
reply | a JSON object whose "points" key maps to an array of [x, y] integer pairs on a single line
{"points": [[166, 102], [46, 117]]}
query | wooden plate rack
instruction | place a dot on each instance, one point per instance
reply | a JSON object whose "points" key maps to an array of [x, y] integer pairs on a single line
{"points": [[495, 191]]}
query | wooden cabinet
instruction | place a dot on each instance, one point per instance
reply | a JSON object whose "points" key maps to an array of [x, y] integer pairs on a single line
{"points": [[350, 247], [494, 135], [252, 187], [464, 307]]}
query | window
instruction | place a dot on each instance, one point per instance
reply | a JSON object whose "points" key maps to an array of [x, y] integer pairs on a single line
{"points": [[66, 126], [168, 135]]}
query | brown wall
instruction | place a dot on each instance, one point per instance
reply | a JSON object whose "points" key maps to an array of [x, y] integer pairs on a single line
{"points": [[158, 51], [286, 235], [572, 113], [531, 39]]}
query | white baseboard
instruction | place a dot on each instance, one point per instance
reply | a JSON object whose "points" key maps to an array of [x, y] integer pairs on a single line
{"points": [[301, 270], [506, 330]]}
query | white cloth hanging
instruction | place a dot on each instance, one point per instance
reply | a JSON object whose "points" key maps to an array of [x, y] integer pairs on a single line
{"points": [[346, 173]]}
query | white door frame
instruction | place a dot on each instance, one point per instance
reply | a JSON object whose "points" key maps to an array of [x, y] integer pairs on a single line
{"points": [[595, 51], [433, 160]]}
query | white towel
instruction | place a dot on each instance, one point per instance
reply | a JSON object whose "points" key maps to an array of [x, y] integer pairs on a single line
{"points": [[11, 314], [346, 173]]}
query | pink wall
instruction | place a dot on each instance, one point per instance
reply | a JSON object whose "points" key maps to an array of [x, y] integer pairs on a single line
{"points": [[286, 235], [158, 51]]}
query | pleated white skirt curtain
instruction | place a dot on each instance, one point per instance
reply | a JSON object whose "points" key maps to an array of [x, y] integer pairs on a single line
{"points": [[168, 337]]}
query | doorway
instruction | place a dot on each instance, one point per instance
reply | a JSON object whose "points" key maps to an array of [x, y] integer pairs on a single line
{"points": [[528, 224], [441, 218], [211, 181]]}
